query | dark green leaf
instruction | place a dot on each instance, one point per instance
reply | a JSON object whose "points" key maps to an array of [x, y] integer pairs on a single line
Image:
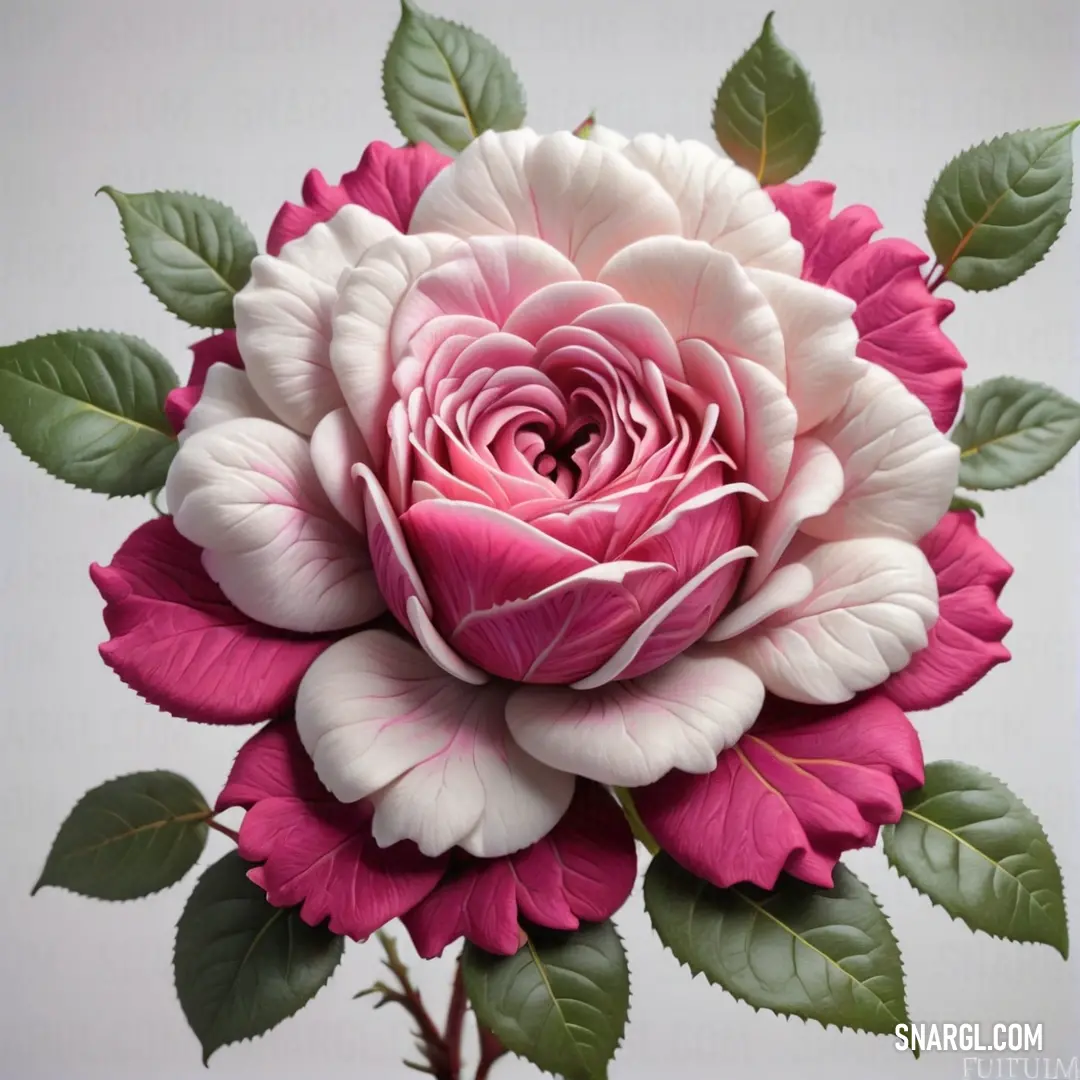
{"points": [[193, 253], [825, 955], [560, 1002], [995, 209], [88, 407], [1013, 432], [129, 837], [962, 502], [970, 845], [766, 115], [241, 965], [444, 84]]}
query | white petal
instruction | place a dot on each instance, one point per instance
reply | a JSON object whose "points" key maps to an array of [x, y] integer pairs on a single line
{"points": [[381, 720], [607, 137], [784, 588], [677, 717], [283, 315], [819, 343], [336, 446], [770, 426], [699, 292], [872, 603], [585, 200], [362, 317], [720, 202], [815, 481], [899, 470], [227, 394], [247, 492]]}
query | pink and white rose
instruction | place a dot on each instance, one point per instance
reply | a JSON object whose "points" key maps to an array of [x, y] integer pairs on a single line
{"points": [[542, 470]]}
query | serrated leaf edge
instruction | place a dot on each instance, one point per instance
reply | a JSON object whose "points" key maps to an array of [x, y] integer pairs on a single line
{"points": [[420, 14], [958, 917], [41, 468], [795, 1014], [250, 1038], [1031, 384], [1064, 219], [112, 192], [629, 999], [39, 884], [767, 26]]}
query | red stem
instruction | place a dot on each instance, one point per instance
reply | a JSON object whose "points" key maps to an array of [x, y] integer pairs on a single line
{"points": [[490, 1052], [232, 834], [455, 1022]]}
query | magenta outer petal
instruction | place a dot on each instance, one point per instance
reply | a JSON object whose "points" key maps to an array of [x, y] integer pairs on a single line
{"points": [[583, 869], [801, 787], [897, 318], [181, 645], [315, 851], [217, 349], [965, 643], [388, 181]]}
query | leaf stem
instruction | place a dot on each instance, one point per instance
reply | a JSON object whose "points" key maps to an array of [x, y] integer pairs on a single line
{"points": [[232, 834], [943, 273], [637, 826]]}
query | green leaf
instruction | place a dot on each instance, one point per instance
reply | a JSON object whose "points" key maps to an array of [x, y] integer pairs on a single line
{"points": [[766, 115], [241, 965], [584, 130], [962, 502], [970, 845], [193, 253], [1013, 432], [88, 407], [560, 1002], [824, 955], [130, 837], [995, 209], [444, 84]]}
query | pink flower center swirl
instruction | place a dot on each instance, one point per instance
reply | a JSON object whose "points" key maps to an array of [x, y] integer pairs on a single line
{"points": [[560, 418]]}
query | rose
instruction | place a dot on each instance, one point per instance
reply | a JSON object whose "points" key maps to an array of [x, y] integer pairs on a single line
{"points": [[553, 430], [179, 641]]}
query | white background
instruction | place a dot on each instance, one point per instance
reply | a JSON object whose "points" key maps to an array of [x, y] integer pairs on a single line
{"points": [[237, 100]]}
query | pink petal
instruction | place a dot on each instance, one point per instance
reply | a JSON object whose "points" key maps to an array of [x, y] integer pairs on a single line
{"points": [[897, 317], [388, 182], [562, 632], [679, 716], [965, 643], [381, 720], [472, 558], [216, 349], [315, 851], [799, 789], [180, 644], [583, 869]]}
